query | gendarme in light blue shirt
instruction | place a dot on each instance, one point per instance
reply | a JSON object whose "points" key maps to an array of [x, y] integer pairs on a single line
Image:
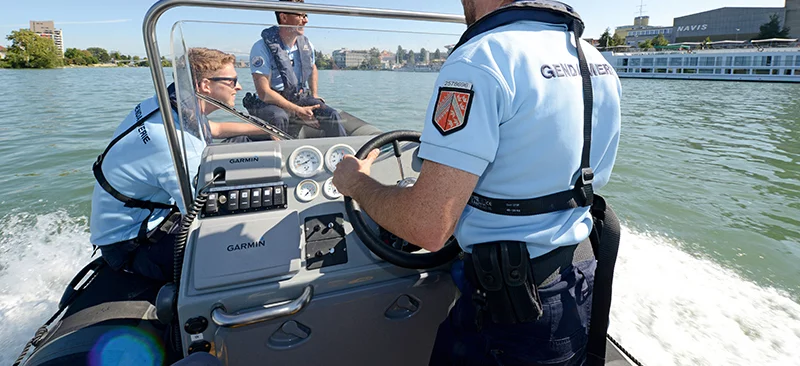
{"points": [[520, 99], [261, 62], [139, 166]]}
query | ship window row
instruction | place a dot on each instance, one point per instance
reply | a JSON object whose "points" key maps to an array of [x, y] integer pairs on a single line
{"points": [[650, 32], [706, 71], [779, 61]]}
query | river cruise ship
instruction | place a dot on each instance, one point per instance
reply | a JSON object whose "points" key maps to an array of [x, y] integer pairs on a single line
{"points": [[777, 64]]}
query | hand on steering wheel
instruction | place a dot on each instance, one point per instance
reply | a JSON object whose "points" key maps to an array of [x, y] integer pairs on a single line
{"points": [[399, 256]]}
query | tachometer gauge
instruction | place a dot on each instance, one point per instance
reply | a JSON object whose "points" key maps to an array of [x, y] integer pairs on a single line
{"points": [[335, 155], [305, 162], [306, 190], [329, 190]]}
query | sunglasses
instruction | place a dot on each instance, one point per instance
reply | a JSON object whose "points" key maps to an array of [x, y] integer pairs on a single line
{"points": [[299, 15], [234, 80]]}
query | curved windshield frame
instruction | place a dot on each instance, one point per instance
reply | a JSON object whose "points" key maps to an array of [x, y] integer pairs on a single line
{"points": [[159, 80]]}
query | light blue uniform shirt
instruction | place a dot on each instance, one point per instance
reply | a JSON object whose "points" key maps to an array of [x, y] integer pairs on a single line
{"points": [[523, 130], [139, 166], [261, 62]]}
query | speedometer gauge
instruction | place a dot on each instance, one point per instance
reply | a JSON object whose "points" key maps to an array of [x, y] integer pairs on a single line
{"points": [[306, 190], [335, 155], [305, 162]]}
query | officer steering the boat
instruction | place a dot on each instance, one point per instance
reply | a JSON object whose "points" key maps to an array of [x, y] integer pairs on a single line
{"points": [[285, 75], [523, 126]]}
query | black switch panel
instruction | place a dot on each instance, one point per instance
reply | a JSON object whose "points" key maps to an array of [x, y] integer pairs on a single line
{"points": [[235, 200]]}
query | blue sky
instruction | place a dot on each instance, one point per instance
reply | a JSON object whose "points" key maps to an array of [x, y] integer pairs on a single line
{"points": [[116, 25]]}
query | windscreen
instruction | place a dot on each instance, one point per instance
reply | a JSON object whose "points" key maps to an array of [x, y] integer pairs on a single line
{"points": [[194, 132], [308, 82]]}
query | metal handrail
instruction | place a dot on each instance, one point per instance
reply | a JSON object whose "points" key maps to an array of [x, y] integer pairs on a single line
{"points": [[159, 81], [269, 312]]}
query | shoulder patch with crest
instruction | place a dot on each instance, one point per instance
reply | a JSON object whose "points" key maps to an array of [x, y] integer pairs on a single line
{"points": [[257, 61], [453, 105]]}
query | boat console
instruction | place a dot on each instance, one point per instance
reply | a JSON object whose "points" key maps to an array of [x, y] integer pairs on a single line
{"points": [[273, 268]]}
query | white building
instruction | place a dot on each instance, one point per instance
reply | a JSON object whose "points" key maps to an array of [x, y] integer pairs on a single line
{"points": [[345, 58], [48, 29]]}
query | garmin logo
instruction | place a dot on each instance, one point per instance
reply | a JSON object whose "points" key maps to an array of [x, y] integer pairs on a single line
{"points": [[692, 28], [245, 246], [244, 160]]}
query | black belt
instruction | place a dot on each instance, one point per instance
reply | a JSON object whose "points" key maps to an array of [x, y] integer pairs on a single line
{"points": [[548, 267]]}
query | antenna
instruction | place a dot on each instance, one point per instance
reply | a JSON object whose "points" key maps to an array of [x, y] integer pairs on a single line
{"points": [[641, 8]]}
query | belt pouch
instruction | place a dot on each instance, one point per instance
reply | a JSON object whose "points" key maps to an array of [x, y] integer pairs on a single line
{"points": [[502, 275]]}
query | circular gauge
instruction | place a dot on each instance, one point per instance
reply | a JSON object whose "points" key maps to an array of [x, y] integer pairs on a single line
{"points": [[335, 155], [306, 190], [305, 162], [330, 190]]}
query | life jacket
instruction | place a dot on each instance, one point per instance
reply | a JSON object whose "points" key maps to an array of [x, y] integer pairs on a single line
{"points": [[293, 87], [605, 232], [141, 113]]}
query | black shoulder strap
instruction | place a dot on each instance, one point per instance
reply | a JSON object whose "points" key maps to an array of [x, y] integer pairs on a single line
{"points": [[97, 169], [582, 194]]}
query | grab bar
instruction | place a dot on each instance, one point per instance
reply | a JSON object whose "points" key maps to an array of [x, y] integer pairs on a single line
{"points": [[270, 312]]}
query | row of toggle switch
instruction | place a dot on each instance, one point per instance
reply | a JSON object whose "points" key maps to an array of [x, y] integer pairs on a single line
{"points": [[245, 200]]}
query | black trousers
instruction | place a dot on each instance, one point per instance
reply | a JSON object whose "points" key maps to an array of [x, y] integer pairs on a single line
{"points": [[330, 122], [151, 260], [559, 337]]}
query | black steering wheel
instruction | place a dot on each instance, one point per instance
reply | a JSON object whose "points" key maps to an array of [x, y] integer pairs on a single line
{"points": [[394, 254]]}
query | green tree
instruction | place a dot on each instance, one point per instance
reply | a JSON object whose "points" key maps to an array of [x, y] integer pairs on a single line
{"points": [[411, 58], [115, 55], [772, 28], [100, 54], [136, 58], [401, 55], [648, 44], [322, 61], [374, 59], [659, 41], [74, 56], [706, 42], [437, 55], [618, 40], [29, 50], [165, 62], [606, 40]]}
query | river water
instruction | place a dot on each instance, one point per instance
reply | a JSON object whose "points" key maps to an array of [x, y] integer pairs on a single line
{"points": [[707, 185]]}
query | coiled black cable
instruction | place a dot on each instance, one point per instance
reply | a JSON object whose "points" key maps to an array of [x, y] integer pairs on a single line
{"points": [[180, 249]]}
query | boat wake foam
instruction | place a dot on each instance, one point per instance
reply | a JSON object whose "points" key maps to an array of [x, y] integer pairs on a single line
{"points": [[39, 255], [669, 307], [673, 308]]}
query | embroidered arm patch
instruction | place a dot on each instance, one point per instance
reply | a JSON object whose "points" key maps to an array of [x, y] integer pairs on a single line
{"points": [[453, 105]]}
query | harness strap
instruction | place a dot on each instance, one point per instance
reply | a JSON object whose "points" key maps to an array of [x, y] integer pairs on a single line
{"points": [[97, 169], [583, 193]]}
